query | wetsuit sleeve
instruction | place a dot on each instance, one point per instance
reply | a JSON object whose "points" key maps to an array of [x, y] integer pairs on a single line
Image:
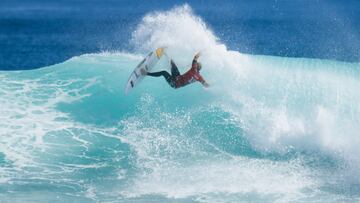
{"points": [[199, 78], [194, 64]]}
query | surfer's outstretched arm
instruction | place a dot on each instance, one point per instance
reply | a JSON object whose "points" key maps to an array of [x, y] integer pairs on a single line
{"points": [[197, 55], [194, 62], [203, 82], [198, 77]]}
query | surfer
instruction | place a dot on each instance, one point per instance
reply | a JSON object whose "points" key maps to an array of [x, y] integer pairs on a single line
{"points": [[176, 80]]}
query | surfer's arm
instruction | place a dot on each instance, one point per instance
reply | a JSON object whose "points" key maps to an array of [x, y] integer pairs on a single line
{"points": [[194, 62], [202, 81], [197, 55], [205, 84]]}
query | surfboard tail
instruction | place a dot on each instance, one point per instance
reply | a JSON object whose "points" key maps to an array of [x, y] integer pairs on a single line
{"points": [[147, 63]]}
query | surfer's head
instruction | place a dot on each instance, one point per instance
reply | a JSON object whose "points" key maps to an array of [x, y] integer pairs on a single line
{"points": [[199, 66]]}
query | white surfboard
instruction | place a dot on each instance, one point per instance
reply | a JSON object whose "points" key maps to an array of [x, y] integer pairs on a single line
{"points": [[147, 63]]}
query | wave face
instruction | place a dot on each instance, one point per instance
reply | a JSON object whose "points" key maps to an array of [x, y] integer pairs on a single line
{"points": [[270, 129]]}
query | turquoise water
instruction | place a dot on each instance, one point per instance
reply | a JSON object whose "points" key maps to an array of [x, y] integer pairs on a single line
{"points": [[269, 129]]}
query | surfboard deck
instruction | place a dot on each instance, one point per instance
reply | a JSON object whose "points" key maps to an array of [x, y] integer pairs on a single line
{"points": [[147, 63]]}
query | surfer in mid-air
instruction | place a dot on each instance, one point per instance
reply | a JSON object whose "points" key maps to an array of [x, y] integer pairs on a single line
{"points": [[176, 80]]}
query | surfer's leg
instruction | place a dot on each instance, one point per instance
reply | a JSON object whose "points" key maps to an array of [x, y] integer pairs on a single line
{"points": [[174, 69], [158, 74], [167, 76]]}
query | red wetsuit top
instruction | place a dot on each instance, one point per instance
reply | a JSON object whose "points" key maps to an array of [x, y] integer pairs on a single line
{"points": [[190, 76]]}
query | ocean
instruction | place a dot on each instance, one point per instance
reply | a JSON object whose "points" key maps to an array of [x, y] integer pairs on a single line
{"points": [[279, 123]]}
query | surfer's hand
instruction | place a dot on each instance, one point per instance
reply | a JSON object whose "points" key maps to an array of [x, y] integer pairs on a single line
{"points": [[197, 55], [206, 84]]}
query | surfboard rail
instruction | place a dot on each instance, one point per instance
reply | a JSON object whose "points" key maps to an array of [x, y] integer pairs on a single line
{"points": [[147, 63]]}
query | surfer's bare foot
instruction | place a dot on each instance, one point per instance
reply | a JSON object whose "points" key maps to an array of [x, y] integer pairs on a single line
{"points": [[143, 71]]}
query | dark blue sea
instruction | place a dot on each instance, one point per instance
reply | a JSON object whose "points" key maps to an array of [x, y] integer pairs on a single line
{"points": [[280, 121], [37, 33]]}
